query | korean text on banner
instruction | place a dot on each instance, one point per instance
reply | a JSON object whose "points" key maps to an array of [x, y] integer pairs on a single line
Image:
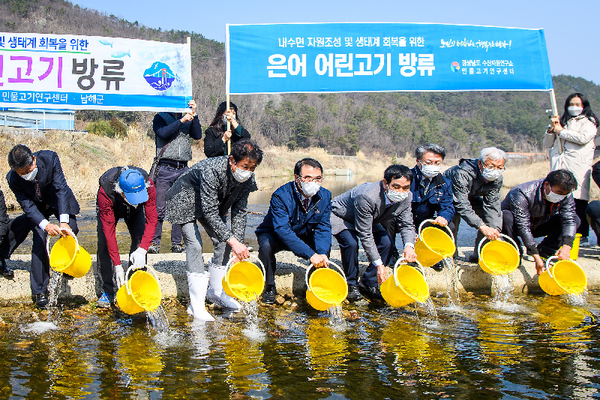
{"points": [[372, 57], [91, 72]]}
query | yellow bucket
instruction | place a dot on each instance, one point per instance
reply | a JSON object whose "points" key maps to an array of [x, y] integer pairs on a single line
{"points": [[140, 293], [326, 287], [498, 257], [244, 280], [68, 257], [434, 243], [405, 286], [574, 253], [566, 276]]}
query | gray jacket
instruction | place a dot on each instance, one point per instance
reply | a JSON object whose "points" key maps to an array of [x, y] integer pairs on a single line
{"points": [[176, 136], [364, 206], [530, 210], [467, 183], [206, 192]]}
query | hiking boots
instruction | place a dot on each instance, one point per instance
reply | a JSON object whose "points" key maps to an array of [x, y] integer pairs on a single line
{"points": [[5, 270]]}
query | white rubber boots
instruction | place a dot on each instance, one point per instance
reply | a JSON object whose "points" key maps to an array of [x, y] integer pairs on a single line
{"points": [[198, 285], [216, 294]]}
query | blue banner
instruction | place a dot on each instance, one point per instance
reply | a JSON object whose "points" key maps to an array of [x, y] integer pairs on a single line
{"points": [[378, 57]]}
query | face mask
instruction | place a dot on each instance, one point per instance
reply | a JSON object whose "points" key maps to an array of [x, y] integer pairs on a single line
{"points": [[429, 171], [310, 188], [554, 197], [574, 110], [491, 174], [30, 176], [241, 175], [224, 119], [396, 197]]}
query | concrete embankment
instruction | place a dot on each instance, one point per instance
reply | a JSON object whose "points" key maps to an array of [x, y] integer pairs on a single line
{"points": [[171, 273]]}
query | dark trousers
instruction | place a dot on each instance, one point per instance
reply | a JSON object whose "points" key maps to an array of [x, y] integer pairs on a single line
{"points": [[551, 229], [40, 265], [477, 205], [17, 232], [348, 241], [163, 180], [136, 223], [269, 245], [593, 217], [580, 207]]}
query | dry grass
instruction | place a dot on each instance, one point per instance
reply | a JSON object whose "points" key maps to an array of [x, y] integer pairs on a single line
{"points": [[85, 157]]}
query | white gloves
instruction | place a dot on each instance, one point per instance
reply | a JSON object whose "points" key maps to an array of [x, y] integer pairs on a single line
{"points": [[138, 258], [119, 275]]}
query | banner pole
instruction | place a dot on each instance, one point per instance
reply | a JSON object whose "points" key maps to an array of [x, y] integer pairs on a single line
{"points": [[555, 114], [227, 55]]}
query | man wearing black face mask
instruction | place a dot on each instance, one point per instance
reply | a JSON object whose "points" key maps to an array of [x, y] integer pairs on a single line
{"points": [[298, 220], [543, 208], [38, 182]]}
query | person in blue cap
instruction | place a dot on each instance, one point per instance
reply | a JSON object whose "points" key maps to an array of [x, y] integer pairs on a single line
{"points": [[128, 193]]}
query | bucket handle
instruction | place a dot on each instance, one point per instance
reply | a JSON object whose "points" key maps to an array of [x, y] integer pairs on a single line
{"points": [[330, 263], [548, 265], [503, 236], [252, 257], [148, 268], [446, 228], [70, 232], [401, 260]]}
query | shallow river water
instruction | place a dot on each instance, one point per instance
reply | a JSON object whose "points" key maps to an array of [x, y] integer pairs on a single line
{"points": [[533, 347]]}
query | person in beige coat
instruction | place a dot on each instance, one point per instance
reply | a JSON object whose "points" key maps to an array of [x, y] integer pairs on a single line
{"points": [[572, 145]]}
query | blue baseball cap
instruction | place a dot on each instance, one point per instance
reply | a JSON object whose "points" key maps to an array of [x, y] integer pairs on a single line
{"points": [[133, 185]]}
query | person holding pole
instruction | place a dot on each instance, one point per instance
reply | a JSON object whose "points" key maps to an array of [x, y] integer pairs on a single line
{"points": [[570, 139], [224, 130]]}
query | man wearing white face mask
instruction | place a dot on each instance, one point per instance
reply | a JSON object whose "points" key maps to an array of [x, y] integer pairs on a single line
{"points": [[298, 220], [358, 214], [476, 185], [206, 193], [431, 192], [38, 182], [543, 208]]}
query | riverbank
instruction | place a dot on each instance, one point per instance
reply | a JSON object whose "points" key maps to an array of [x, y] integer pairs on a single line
{"points": [[290, 276]]}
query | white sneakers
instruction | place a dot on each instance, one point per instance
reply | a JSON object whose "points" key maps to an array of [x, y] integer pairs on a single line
{"points": [[216, 294], [198, 285]]}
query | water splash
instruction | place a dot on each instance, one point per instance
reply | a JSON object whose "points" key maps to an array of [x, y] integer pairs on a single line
{"points": [[452, 281], [54, 288], [577, 299], [428, 308], [158, 320], [38, 327], [336, 317], [252, 330]]}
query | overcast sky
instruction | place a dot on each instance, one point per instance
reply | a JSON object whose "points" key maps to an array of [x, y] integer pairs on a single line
{"points": [[572, 28]]}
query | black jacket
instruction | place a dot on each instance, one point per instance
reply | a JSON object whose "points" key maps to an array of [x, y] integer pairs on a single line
{"points": [[530, 209], [56, 194]]}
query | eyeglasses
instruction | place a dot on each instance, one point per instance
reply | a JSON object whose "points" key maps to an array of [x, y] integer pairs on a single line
{"points": [[317, 179], [427, 162], [494, 168]]}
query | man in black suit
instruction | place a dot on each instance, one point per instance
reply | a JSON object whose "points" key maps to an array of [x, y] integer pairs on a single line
{"points": [[38, 182]]}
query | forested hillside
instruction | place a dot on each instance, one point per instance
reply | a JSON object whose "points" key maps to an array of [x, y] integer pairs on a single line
{"points": [[389, 123]]}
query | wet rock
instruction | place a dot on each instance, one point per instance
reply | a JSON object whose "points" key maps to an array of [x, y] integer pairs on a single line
{"points": [[351, 315], [2, 323], [276, 334], [279, 299], [287, 296]]}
